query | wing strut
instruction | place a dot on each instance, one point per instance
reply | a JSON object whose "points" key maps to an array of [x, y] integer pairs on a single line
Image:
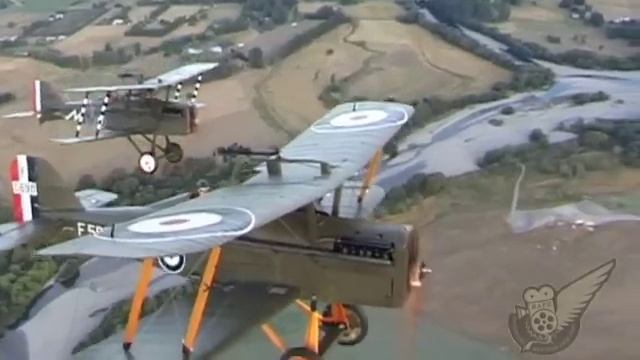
{"points": [[197, 313], [138, 300], [371, 174]]}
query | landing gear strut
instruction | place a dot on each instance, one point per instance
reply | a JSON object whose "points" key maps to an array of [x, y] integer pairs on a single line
{"points": [[148, 161], [342, 323]]}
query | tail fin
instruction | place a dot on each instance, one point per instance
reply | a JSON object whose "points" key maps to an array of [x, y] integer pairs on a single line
{"points": [[37, 186], [47, 102]]}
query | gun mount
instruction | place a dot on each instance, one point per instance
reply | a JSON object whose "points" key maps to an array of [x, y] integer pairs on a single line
{"points": [[273, 158]]}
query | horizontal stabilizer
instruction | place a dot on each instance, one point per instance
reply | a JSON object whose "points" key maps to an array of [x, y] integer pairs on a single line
{"points": [[15, 234], [95, 198], [104, 135], [17, 115]]}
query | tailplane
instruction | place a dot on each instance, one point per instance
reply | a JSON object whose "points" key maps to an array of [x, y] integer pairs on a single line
{"points": [[46, 104]]}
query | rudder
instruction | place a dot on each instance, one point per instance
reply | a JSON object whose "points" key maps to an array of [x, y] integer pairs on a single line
{"points": [[37, 187]]}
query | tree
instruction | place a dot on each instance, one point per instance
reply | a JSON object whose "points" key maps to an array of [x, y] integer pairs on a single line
{"points": [[595, 140], [255, 58], [279, 14], [507, 110], [86, 181], [538, 137], [596, 19]]}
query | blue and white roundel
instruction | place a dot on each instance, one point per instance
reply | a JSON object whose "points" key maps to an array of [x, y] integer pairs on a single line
{"points": [[172, 264], [361, 120], [194, 224]]}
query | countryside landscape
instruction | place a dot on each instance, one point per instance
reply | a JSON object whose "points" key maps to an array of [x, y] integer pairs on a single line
{"points": [[523, 109]]}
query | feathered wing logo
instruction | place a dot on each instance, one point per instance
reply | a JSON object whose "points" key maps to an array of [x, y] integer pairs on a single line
{"points": [[549, 320]]}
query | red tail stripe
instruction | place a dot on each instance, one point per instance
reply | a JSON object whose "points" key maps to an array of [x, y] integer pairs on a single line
{"points": [[17, 198]]}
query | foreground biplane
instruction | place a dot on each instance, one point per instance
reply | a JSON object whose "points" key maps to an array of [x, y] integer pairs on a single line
{"points": [[150, 109], [270, 233]]}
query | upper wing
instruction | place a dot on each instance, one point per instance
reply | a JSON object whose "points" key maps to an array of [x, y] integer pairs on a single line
{"points": [[181, 74], [346, 138], [107, 88], [167, 79], [232, 311], [573, 299]]}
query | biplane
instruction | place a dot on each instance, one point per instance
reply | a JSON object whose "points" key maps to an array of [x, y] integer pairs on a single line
{"points": [[271, 233], [149, 109]]}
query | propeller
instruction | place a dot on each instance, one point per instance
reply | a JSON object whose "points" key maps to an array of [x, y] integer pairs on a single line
{"points": [[103, 111]]}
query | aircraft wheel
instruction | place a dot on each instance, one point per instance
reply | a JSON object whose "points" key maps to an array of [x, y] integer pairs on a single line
{"points": [[299, 353], [174, 153], [148, 163], [358, 326]]}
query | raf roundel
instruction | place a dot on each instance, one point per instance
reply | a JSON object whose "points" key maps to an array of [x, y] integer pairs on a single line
{"points": [[194, 224], [180, 222], [361, 120]]}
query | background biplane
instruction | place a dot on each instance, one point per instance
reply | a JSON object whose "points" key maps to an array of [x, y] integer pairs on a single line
{"points": [[277, 239], [128, 110]]}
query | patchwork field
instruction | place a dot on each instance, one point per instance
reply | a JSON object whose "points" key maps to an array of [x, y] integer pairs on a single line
{"points": [[17, 19], [91, 38], [95, 37], [379, 58], [535, 22]]}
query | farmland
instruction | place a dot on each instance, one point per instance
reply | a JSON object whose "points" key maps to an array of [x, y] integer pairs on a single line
{"points": [[535, 22], [378, 59], [73, 21], [18, 20], [612, 9]]}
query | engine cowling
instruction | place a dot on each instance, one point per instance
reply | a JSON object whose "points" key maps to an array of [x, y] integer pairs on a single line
{"points": [[172, 264]]}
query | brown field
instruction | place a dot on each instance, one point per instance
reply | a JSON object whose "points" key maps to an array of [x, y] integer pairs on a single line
{"points": [[313, 6], [374, 10], [371, 10], [534, 22], [612, 9], [91, 38], [480, 270], [21, 18], [294, 84], [224, 11], [138, 13], [400, 60], [179, 10], [414, 63], [229, 117]]}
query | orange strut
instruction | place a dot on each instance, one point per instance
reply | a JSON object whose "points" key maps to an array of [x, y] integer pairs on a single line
{"points": [[138, 300], [276, 339], [374, 165], [201, 300], [313, 332]]}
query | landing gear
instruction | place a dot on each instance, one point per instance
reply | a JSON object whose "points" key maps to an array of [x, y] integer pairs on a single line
{"points": [[342, 323], [301, 353], [173, 152], [148, 161], [356, 327]]}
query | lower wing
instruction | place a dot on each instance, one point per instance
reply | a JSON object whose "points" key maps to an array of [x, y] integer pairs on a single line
{"points": [[104, 135], [233, 310]]}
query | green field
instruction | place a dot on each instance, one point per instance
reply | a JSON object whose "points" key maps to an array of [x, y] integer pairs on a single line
{"points": [[46, 5]]}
